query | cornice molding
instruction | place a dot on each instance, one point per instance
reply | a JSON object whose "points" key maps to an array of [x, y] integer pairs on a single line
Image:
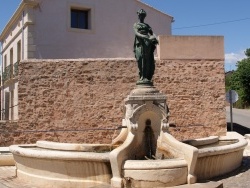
{"points": [[14, 37], [16, 15]]}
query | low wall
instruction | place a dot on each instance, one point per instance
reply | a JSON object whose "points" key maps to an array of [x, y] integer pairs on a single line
{"points": [[88, 94], [191, 47]]}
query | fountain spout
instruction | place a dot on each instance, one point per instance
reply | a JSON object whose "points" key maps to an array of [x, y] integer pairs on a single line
{"points": [[150, 142]]}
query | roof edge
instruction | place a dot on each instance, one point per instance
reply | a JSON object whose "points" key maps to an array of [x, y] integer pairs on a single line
{"points": [[155, 9], [16, 15]]}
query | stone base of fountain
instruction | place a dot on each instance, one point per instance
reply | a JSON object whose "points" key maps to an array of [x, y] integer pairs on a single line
{"points": [[219, 157], [152, 173], [46, 167], [73, 166]]}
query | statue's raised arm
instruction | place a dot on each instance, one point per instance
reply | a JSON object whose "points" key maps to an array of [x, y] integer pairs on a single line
{"points": [[144, 47]]}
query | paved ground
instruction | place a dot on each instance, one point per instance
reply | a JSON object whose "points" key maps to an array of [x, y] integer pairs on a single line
{"points": [[240, 116], [9, 180]]}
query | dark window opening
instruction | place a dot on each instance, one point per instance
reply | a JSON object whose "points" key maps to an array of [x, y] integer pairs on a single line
{"points": [[80, 19]]}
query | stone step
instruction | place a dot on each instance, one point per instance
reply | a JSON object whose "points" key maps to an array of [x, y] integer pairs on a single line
{"points": [[210, 184]]}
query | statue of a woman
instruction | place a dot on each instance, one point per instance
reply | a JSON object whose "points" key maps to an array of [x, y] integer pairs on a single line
{"points": [[144, 47]]}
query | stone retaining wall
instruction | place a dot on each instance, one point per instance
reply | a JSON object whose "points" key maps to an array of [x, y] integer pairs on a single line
{"points": [[8, 134], [78, 96]]}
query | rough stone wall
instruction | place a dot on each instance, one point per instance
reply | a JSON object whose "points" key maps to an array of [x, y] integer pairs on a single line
{"points": [[71, 95], [8, 134], [196, 96]]}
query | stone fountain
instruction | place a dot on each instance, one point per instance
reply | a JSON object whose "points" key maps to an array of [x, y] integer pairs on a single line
{"points": [[144, 154], [149, 156]]}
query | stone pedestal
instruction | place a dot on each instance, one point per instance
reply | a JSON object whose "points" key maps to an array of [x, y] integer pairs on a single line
{"points": [[142, 104], [146, 119], [145, 99]]}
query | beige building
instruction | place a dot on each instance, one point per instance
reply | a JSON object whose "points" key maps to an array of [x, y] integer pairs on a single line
{"points": [[66, 29]]}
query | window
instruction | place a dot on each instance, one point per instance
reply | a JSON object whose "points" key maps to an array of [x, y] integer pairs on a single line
{"points": [[11, 56], [80, 19], [12, 105], [5, 61], [19, 51], [7, 105], [11, 63]]}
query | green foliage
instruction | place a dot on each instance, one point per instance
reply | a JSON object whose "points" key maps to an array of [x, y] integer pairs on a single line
{"points": [[240, 81], [247, 52], [227, 80]]}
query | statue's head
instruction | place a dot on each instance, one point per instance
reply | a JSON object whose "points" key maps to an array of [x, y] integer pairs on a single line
{"points": [[141, 14]]}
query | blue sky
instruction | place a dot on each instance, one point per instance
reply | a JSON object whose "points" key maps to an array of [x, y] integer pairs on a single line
{"points": [[230, 19]]}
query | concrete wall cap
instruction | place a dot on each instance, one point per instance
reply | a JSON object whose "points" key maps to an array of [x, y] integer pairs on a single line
{"points": [[191, 47]]}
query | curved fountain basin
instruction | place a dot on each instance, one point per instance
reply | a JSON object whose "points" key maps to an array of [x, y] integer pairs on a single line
{"points": [[152, 173], [50, 164], [75, 147], [57, 168], [218, 156]]}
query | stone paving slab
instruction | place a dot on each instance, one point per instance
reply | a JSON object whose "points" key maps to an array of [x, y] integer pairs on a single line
{"points": [[8, 178], [202, 185]]}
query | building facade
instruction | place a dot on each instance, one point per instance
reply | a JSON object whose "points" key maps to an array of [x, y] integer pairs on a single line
{"points": [[69, 29]]}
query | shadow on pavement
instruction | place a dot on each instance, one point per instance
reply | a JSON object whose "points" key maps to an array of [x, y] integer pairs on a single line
{"points": [[238, 128]]}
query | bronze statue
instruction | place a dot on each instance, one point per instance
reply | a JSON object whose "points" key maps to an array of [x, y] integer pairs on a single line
{"points": [[144, 47]]}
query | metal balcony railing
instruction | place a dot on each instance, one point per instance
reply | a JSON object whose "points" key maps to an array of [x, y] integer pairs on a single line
{"points": [[16, 65], [7, 74], [10, 71]]}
